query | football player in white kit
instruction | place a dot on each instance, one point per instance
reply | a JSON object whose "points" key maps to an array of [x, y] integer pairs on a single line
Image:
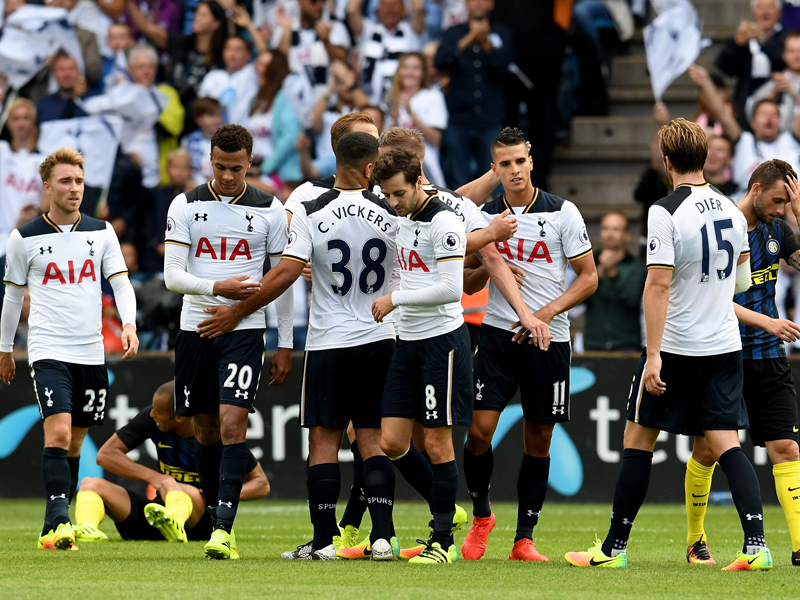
{"points": [[218, 239], [61, 257], [689, 379]]}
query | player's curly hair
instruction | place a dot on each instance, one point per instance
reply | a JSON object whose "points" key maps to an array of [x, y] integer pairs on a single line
{"points": [[231, 139], [771, 172], [685, 144], [398, 161], [403, 137], [62, 156], [344, 125], [510, 136]]}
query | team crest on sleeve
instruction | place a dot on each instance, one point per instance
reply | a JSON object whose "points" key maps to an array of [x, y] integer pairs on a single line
{"points": [[773, 247], [653, 245], [292, 238], [451, 241], [170, 224], [583, 236]]}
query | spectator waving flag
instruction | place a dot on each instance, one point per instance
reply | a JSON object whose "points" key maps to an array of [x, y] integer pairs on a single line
{"points": [[30, 36], [96, 138], [138, 106], [673, 42]]}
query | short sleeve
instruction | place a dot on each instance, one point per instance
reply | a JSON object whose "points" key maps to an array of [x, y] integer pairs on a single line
{"points": [[300, 245], [339, 36], [448, 237], [472, 216], [113, 261], [177, 224], [16, 261], [138, 430], [278, 231], [574, 238], [298, 196], [660, 239], [790, 244]]}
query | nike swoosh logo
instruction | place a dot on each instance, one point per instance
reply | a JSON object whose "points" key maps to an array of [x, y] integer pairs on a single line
{"points": [[794, 429], [750, 562], [596, 563], [160, 445], [699, 496], [794, 489]]}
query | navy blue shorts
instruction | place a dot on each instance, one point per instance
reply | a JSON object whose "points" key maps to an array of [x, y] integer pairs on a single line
{"points": [[771, 400], [345, 384], [542, 377], [63, 387], [429, 380], [704, 393], [223, 370]]}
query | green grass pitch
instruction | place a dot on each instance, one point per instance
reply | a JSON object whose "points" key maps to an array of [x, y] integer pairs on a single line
{"points": [[138, 570]]}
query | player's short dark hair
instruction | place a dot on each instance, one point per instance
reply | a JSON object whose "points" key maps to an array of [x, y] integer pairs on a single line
{"points": [[356, 149], [231, 139], [685, 144], [510, 136], [206, 106], [344, 125], [398, 161], [771, 172]]}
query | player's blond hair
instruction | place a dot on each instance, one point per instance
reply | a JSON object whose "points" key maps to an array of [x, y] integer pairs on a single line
{"points": [[62, 156], [23, 103], [405, 138], [344, 125], [685, 144]]}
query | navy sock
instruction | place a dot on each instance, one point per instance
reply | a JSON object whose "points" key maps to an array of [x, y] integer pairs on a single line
{"points": [[445, 487], [324, 482], [416, 470], [207, 459], [531, 490], [746, 494], [478, 472], [357, 503], [74, 469], [232, 470], [56, 474], [632, 482], [379, 491]]}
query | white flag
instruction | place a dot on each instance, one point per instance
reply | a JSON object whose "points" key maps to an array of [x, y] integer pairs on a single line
{"points": [[96, 138], [30, 36], [673, 42], [139, 107]]}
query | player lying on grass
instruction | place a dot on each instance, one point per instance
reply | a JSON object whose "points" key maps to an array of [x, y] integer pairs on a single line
{"points": [[178, 512]]}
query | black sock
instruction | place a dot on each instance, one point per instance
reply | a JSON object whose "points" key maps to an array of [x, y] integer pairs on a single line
{"points": [[416, 470], [357, 503], [74, 469], [632, 482], [207, 459], [232, 470], [746, 495], [445, 487], [531, 490], [56, 474], [478, 472], [324, 482], [379, 491]]}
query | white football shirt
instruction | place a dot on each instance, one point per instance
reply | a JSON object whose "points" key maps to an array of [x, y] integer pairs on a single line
{"points": [[226, 238], [62, 269], [307, 191], [550, 233], [699, 234], [464, 207]]}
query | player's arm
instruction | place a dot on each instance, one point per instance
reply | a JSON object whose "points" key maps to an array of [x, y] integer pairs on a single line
{"points": [[715, 103], [354, 18], [656, 302], [281, 364], [475, 275], [479, 189], [501, 228], [113, 457], [256, 484], [584, 286], [783, 329], [16, 276], [116, 272]]}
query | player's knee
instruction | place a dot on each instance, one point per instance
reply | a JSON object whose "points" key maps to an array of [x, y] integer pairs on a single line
{"points": [[393, 448], [782, 451], [206, 434], [91, 484], [58, 437], [478, 442]]}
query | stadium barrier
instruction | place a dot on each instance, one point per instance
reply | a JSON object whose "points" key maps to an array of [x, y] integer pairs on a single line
{"points": [[585, 452]]}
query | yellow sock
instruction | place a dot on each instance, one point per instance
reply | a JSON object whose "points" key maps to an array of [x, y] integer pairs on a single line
{"points": [[697, 488], [179, 504], [787, 477], [89, 509]]}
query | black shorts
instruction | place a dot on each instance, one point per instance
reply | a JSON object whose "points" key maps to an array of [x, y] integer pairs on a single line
{"points": [[345, 384], [136, 527], [225, 370], [63, 387], [430, 380], [704, 393], [502, 366], [771, 400]]}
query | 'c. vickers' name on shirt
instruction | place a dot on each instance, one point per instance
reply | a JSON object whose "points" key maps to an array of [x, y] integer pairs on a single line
{"points": [[360, 211]]}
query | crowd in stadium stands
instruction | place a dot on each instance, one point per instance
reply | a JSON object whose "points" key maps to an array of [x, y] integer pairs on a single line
{"points": [[456, 70]]}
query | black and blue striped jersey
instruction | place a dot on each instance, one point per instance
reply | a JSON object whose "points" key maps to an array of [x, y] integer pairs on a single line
{"points": [[769, 242]]}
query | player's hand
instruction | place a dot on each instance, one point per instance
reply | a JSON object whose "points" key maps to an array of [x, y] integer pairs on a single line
{"points": [[236, 288], [7, 367], [538, 331], [652, 376], [783, 329], [793, 187], [661, 113], [130, 341], [382, 307], [222, 320], [307, 272], [502, 226], [519, 275], [280, 367]]}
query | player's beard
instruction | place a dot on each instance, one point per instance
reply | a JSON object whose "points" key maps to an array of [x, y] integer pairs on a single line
{"points": [[759, 211]]}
